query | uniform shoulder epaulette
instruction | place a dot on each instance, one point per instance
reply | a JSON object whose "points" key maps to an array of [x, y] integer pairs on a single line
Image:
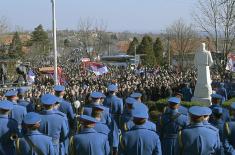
{"points": [[61, 114], [125, 128], [227, 128], [212, 128]]}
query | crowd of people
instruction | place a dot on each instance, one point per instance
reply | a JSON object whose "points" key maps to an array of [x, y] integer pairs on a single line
{"points": [[107, 114], [109, 125]]}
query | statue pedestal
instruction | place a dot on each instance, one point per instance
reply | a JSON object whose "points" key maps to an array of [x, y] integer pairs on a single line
{"points": [[207, 101]]}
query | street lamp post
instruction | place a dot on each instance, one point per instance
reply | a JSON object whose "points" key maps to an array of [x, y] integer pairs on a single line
{"points": [[54, 42]]}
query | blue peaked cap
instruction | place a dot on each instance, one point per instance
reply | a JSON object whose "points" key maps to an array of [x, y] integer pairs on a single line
{"points": [[136, 95], [21, 90], [11, 93], [217, 110], [217, 96], [97, 95], [59, 88], [140, 111], [49, 99], [112, 87], [32, 118], [174, 100], [130, 100], [6, 105], [86, 118], [207, 111], [197, 111]]}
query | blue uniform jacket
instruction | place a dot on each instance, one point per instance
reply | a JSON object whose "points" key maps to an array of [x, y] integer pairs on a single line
{"points": [[54, 126], [140, 141], [8, 127], [66, 108], [89, 142], [43, 142], [226, 115], [115, 105], [197, 139], [18, 112], [229, 138], [219, 124], [65, 142], [171, 122], [29, 106]]}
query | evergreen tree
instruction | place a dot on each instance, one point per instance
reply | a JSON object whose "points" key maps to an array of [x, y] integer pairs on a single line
{"points": [[158, 50], [39, 39], [146, 47], [15, 49], [66, 43], [132, 46]]}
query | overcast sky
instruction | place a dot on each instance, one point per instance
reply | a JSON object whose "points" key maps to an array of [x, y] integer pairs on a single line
{"points": [[119, 15]]}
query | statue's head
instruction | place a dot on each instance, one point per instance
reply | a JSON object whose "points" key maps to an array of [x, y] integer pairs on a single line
{"points": [[203, 47]]}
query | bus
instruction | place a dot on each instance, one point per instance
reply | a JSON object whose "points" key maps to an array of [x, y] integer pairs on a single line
{"points": [[121, 60]]}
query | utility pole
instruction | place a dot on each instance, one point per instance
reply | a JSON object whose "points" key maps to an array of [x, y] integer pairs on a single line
{"points": [[54, 42]]}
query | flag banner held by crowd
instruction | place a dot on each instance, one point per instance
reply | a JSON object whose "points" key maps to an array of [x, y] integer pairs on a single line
{"points": [[98, 68], [31, 77], [231, 62]]}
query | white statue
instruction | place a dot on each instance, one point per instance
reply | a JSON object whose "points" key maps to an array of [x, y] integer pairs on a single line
{"points": [[203, 60]]}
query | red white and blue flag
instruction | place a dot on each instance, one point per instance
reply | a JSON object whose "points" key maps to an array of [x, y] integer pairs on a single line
{"points": [[98, 68]]}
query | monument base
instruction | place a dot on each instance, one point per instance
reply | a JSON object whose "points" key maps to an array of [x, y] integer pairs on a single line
{"points": [[207, 101]]}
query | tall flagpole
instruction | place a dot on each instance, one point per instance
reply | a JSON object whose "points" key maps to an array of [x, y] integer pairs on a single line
{"points": [[54, 42]]}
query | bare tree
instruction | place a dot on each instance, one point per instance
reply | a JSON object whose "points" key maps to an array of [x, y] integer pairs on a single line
{"points": [[227, 26], [4, 26], [217, 19], [207, 19], [92, 33], [183, 39]]}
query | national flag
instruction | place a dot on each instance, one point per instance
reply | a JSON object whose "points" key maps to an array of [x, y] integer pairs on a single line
{"points": [[98, 68]]}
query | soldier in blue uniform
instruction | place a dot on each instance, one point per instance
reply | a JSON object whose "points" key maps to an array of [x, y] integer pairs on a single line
{"points": [[8, 128], [216, 102], [66, 141], [34, 142], [197, 138], [96, 99], [114, 103], [21, 101], [140, 140], [219, 124], [88, 141], [148, 124], [207, 113], [223, 92], [18, 112], [169, 125], [136, 96], [111, 131], [183, 110], [229, 134], [65, 106], [53, 124], [187, 93], [126, 116], [99, 126]]}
